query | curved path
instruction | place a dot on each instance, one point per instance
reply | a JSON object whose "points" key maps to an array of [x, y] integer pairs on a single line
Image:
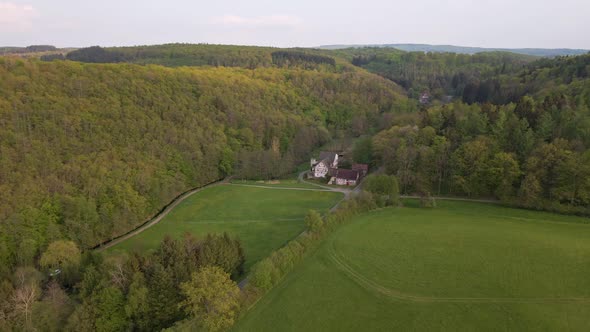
{"points": [[157, 218]]}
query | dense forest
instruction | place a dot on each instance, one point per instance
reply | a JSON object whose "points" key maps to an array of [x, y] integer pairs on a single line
{"points": [[494, 77], [533, 153], [92, 146], [427, 48], [176, 55], [440, 74]]}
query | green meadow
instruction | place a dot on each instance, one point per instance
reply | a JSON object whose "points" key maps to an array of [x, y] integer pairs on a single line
{"points": [[263, 219], [288, 183], [459, 267]]}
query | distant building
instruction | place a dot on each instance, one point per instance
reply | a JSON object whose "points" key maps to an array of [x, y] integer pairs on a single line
{"points": [[327, 166], [425, 98], [346, 177], [322, 166], [363, 169]]}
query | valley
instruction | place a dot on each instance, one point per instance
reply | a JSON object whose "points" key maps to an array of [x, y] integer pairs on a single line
{"points": [[447, 192]]}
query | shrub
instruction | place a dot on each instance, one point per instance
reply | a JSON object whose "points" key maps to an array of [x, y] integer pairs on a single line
{"points": [[313, 221], [427, 201], [385, 187]]}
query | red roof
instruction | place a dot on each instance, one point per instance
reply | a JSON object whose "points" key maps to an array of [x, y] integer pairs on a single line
{"points": [[360, 167], [347, 174]]}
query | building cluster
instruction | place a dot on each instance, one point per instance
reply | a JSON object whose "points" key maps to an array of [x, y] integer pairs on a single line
{"points": [[326, 166]]}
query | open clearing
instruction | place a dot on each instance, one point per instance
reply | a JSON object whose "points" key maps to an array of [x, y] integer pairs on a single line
{"points": [[460, 267], [264, 219]]}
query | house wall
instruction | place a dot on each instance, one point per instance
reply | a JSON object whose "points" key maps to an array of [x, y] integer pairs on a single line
{"points": [[344, 182], [320, 170]]}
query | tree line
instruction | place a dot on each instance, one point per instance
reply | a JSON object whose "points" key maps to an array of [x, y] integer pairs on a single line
{"points": [[190, 281], [440, 74], [175, 55], [533, 154]]}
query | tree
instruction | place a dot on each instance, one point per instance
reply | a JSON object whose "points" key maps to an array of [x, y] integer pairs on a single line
{"points": [[383, 186], [136, 307], [212, 298], [573, 184], [313, 221], [224, 252], [84, 318], [441, 150], [110, 310], [363, 151], [470, 164], [51, 313], [504, 172], [61, 254], [525, 109], [163, 297], [27, 290], [226, 163], [264, 275], [530, 191]]}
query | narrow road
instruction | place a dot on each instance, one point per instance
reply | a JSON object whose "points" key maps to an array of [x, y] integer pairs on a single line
{"points": [[157, 218]]}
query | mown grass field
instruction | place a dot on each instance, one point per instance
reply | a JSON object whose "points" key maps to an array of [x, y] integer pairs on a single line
{"points": [[459, 267], [263, 219], [288, 183]]}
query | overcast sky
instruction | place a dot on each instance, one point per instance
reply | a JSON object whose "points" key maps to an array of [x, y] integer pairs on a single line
{"points": [[485, 23]]}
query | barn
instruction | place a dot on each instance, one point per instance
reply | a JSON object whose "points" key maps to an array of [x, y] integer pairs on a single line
{"points": [[346, 177]]}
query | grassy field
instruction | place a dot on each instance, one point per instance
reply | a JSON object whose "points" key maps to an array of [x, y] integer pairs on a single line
{"points": [[263, 219], [459, 267], [288, 183]]}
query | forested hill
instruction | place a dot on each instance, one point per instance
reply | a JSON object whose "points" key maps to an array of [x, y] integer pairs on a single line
{"points": [[175, 55], [496, 77], [542, 52], [89, 151], [518, 133]]}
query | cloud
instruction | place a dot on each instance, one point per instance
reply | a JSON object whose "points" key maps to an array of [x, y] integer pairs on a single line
{"points": [[259, 21], [16, 16]]}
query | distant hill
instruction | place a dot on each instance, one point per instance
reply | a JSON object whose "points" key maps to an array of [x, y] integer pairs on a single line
{"points": [[542, 52], [45, 52], [28, 49]]}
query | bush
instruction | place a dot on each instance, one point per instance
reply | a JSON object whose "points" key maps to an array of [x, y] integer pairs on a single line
{"points": [[427, 201], [314, 222], [385, 187], [264, 275]]}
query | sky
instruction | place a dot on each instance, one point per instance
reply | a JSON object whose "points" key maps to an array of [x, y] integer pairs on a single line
{"points": [[305, 23]]}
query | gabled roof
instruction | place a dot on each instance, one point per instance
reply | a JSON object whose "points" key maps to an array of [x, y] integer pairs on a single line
{"points": [[360, 167], [328, 156], [332, 171], [347, 174]]}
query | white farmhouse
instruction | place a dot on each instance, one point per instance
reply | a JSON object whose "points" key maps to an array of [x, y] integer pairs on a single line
{"points": [[326, 161]]}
